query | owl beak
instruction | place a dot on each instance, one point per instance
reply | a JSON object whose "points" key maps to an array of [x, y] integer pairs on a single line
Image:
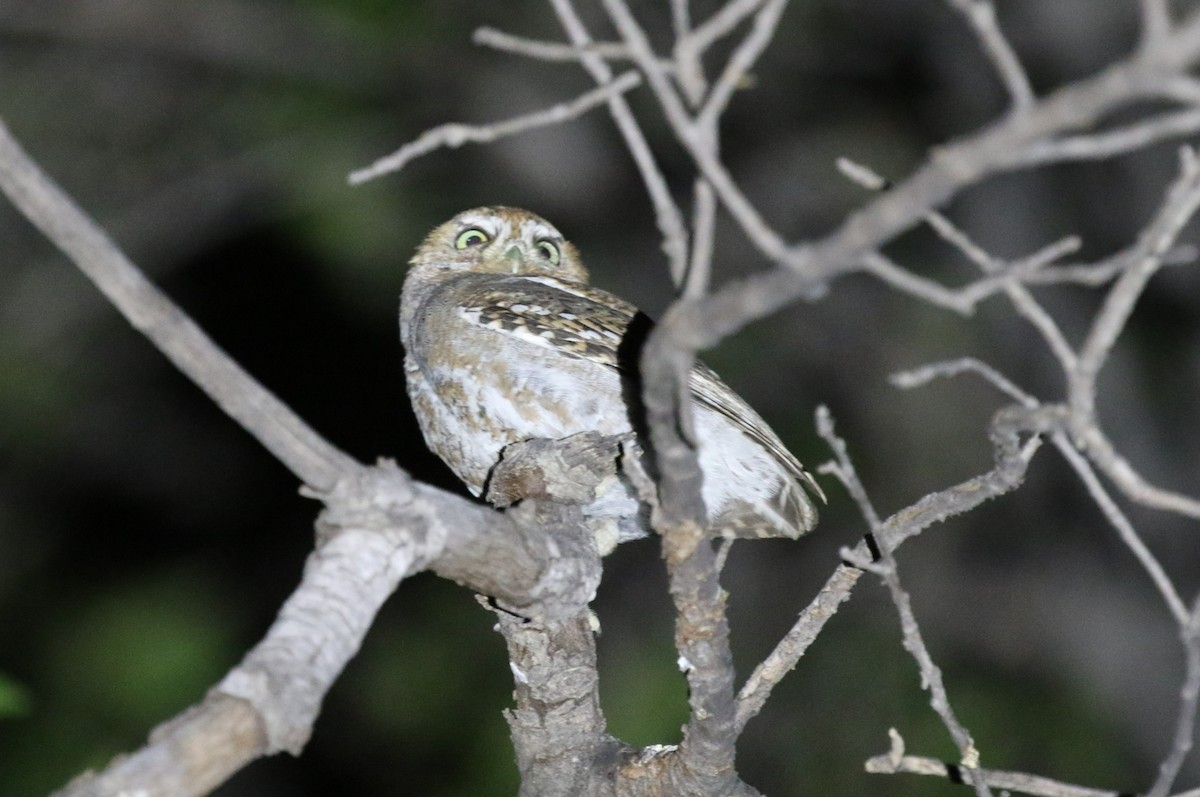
{"points": [[515, 258]]}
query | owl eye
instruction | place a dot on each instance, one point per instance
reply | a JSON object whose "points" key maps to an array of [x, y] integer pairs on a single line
{"points": [[550, 251], [469, 238]]}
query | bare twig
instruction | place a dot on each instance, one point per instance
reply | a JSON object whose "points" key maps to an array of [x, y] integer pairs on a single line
{"points": [[722, 22], [1125, 530], [1107, 269], [952, 168], [1110, 143], [843, 468], [692, 136], [766, 21], [791, 647], [1189, 701], [704, 222], [1012, 460], [1001, 276], [1100, 451], [981, 15], [689, 66], [885, 567], [1181, 203], [548, 51], [1156, 22], [666, 213], [454, 135], [997, 779], [917, 377]]}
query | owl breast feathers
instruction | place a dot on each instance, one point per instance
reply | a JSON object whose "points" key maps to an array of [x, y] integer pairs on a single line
{"points": [[505, 342]]}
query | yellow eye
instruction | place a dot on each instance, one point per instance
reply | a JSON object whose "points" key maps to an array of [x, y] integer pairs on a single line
{"points": [[471, 237], [549, 251]]}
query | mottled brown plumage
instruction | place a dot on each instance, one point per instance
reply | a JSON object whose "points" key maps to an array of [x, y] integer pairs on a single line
{"points": [[506, 341]]}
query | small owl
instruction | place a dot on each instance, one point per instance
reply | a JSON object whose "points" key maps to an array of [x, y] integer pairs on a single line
{"points": [[505, 341]]}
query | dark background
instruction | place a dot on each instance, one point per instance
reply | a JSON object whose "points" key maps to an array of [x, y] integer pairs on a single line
{"points": [[146, 541]]}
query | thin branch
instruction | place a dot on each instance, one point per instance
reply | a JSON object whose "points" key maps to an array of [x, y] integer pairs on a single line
{"points": [[692, 136], [547, 51], [454, 135], [981, 15], [1106, 270], [792, 646], [681, 18], [995, 778], [1001, 276], [894, 275], [555, 52], [1125, 529], [305, 453], [689, 66], [1037, 269], [948, 171], [1101, 452], [918, 377], [931, 674], [766, 22], [666, 213], [1156, 22], [1011, 463], [843, 468], [722, 23], [1182, 202], [885, 567], [1189, 701], [1110, 143], [704, 221]]}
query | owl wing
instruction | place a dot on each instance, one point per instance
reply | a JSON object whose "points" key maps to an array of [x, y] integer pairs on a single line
{"points": [[567, 317], [709, 390], [590, 324]]}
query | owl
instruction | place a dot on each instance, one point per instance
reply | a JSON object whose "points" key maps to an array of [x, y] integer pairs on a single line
{"points": [[505, 341]]}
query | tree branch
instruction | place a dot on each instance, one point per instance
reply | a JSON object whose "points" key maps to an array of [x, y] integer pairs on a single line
{"points": [[454, 135]]}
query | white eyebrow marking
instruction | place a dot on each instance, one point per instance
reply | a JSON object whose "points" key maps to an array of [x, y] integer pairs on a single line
{"points": [[485, 223], [534, 230]]}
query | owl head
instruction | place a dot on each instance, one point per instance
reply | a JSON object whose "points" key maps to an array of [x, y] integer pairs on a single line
{"points": [[500, 240]]}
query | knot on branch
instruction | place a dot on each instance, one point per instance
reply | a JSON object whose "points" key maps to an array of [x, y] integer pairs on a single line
{"points": [[545, 484], [572, 470], [378, 499], [1009, 423]]}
